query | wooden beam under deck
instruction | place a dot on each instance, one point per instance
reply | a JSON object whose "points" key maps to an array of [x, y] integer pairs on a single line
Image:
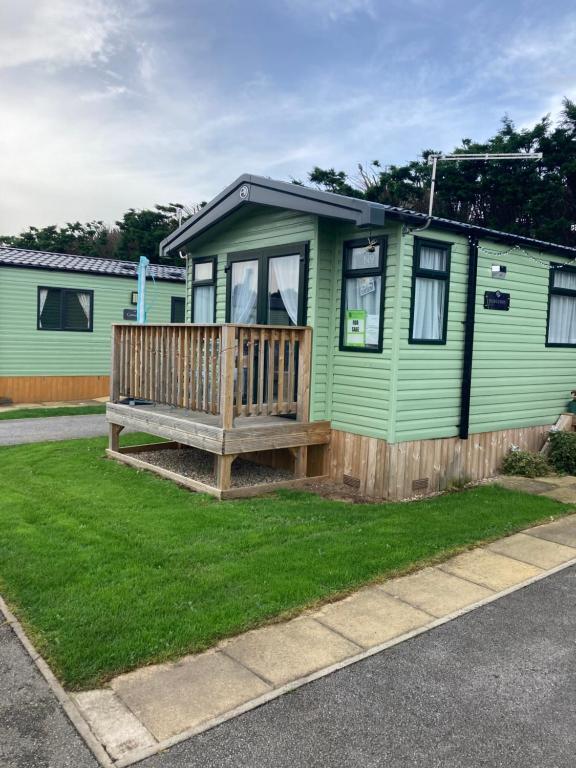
{"points": [[199, 430], [204, 431]]}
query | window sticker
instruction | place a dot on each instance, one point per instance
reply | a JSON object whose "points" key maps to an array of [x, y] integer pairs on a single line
{"points": [[366, 285], [372, 329], [355, 328]]}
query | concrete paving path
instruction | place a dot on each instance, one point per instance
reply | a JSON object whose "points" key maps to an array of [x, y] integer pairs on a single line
{"points": [[559, 487], [16, 431], [152, 708]]}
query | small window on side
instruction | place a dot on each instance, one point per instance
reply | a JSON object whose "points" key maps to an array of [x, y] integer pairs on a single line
{"points": [[561, 330], [204, 290], [362, 304], [430, 284], [178, 309]]}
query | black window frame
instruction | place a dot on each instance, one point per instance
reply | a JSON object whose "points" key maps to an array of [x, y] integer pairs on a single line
{"points": [[203, 283], [173, 302], [347, 273], [553, 291], [63, 292], [434, 274], [263, 256]]}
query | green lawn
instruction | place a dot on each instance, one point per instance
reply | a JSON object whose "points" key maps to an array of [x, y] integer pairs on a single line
{"points": [[110, 568], [40, 413]]}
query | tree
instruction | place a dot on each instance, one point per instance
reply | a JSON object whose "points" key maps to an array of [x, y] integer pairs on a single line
{"points": [[138, 233], [141, 232], [527, 198], [91, 239]]}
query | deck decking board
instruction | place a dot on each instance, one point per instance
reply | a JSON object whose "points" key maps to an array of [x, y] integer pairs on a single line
{"points": [[203, 430]]}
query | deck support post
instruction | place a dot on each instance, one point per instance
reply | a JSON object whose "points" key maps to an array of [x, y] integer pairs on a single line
{"points": [[115, 365], [304, 356], [224, 471], [114, 436], [227, 354], [301, 461]]}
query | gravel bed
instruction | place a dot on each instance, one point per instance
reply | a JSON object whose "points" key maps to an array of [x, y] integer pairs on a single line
{"points": [[199, 465]]}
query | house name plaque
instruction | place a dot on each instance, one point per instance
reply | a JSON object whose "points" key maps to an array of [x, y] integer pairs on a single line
{"points": [[496, 300]]}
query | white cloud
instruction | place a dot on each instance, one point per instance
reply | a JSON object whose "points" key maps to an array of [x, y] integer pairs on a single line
{"points": [[535, 59], [335, 9], [59, 32], [109, 92]]}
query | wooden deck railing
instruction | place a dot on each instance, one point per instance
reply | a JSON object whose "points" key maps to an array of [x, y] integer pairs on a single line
{"points": [[226, 369]]}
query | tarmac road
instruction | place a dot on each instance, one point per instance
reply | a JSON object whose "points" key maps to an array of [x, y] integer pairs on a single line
{"points": [[16, 431]]}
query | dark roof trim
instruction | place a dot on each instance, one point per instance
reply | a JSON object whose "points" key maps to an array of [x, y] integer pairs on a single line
{"points": [[249, 189], [416, 219], [280, 194]]}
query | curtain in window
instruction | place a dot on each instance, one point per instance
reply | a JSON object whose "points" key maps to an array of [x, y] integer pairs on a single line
{"points": [[562, 322], [84, 299], [563, 279], [204, 304], [284, 273], [43, 295], [244, 288], [428, 322], [433, 258]]}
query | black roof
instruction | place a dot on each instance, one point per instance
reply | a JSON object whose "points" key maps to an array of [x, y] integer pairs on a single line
{"points": [[248, 189], [65, 262]]}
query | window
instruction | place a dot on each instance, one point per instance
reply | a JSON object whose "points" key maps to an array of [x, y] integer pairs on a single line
{"points": [[283, 293], [430, 280], [562, 307], [362, 303], [204, 290], [267, 286], [178, 310], [244, 291], [64, 309]]}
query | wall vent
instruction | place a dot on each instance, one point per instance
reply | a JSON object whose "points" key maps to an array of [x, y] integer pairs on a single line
{"points": [[353, 482], [421, 484]]}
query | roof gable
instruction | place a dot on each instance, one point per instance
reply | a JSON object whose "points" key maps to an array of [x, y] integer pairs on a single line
{"points": [[250, 190]]}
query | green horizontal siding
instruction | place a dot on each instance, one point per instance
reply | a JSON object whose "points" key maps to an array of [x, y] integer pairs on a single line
{"points": [[321, 385], [26, 351], [428, 375], [354, 387], [517, 380]]}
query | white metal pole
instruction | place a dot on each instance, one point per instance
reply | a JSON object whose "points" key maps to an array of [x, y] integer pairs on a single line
{"points": [[141, 307], [432, 186]]}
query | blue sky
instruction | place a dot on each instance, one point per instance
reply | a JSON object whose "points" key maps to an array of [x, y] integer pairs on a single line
{"points": [[110, 104]]}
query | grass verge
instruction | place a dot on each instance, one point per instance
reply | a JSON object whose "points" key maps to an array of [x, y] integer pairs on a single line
{"points": [[41, 413], [110, 568]]}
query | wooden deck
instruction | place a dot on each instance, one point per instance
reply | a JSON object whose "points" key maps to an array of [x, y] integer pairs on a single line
{"points": [[226, 389], [205, 430]]}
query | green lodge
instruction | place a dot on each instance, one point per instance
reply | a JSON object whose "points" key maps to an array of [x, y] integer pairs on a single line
{"points": [[56, 316], [352, 340]]}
